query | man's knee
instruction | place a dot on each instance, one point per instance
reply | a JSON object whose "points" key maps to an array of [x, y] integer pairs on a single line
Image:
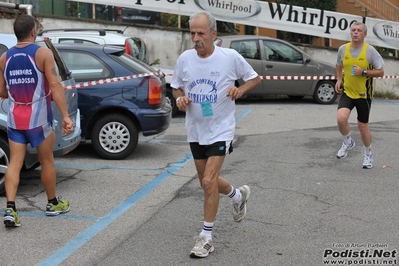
{"points": [[342, 120], [343, 116], [15, 166], [209, 183], [363, 127]]}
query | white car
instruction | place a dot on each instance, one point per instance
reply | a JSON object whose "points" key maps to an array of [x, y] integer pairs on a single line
{"points": [[134, 46]]}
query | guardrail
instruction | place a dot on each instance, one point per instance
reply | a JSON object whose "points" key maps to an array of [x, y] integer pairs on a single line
{"points": [[18, 6], [382, 8]]}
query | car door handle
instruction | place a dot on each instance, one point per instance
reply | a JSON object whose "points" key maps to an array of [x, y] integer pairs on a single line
{"points": [[269, 66]]}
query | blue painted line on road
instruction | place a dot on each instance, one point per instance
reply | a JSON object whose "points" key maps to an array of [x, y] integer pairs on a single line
{"points": [[93, 166], [242, 114], [162, 140], [63, 253]]}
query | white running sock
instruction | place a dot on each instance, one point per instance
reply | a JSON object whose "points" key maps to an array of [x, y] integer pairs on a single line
{"points": [[235, 194], [347, 139], [367, 150], [207, 230]]}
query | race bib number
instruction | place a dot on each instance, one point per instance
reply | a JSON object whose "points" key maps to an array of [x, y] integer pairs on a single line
{"points": [[206, 108]]}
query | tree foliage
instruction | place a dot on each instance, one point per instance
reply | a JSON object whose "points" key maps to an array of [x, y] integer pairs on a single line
{"points": [[171, 20], [330, 5]]}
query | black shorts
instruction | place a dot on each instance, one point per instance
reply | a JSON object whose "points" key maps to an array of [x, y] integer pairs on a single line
{"points": [[220, 148], [363, 107]]}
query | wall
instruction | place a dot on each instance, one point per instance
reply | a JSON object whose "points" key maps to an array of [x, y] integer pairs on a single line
{"points": [[166, 44]]}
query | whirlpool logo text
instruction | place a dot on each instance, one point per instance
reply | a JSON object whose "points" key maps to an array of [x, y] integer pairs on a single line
{"points": [[387, 33], [238, 9]]}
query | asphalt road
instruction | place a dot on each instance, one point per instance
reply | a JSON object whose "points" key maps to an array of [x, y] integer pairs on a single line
{"points": [[306, 207]]}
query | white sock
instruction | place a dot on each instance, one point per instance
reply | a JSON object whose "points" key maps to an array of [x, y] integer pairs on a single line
{"points": [[235, 194], [347, 139], [367, 150], [207, 230]]}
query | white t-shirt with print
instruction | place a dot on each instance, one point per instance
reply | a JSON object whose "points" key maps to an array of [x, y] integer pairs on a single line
{"points": [[211, 115]]}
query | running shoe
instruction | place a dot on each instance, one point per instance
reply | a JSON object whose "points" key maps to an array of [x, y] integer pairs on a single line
{"points": [[343, 152], [368, 161], [202, 247], [11, 218], [61, 207], [240, 208]]}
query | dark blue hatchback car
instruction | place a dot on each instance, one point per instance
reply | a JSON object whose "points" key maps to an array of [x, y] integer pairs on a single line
{"points": [[126, 98]]}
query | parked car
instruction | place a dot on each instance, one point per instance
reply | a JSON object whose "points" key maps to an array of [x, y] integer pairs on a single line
{"points": [[63, 144], [114, 113], [134, 46], [273, 57], [140, 16]]}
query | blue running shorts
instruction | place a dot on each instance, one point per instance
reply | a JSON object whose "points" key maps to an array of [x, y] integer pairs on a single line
{"points": [[33, 136]]}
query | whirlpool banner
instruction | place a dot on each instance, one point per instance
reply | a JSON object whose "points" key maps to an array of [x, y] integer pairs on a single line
{"points": [[283, 17]]}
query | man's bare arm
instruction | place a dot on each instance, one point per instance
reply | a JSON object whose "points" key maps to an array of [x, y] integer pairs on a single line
{"points": [[3, 88], [181, 100], [234, 93], [46, 60]]}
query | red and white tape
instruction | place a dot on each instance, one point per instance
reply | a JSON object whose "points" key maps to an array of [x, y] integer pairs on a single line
{"points": [[314, 77], [298, 77], [111, 80], [105, 81], [389, 77], [308, 77]]}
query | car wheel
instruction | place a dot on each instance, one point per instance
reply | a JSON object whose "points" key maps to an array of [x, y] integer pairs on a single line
{"points": [[172, 100], [4, 162], [325, 92], [114, 137]]}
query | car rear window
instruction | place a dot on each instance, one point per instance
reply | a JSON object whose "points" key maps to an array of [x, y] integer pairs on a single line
{"points": [[131, 63], [136, 48], [62, 69], [85, 66], [247, 48], [72, 41]]}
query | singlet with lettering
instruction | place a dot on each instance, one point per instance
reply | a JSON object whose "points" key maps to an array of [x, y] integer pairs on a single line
{"points": [[357, 87], [29, 105]]}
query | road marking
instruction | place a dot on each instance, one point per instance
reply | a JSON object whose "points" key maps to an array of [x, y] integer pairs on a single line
{"points": [[63, 253], [73, 245], [244, 113], [93, 166]]}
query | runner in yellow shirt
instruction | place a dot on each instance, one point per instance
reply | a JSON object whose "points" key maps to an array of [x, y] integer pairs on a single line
{"points": [[358, 63]]}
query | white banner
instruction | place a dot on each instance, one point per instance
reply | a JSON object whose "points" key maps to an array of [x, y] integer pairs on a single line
{"points": [[315, 22]]}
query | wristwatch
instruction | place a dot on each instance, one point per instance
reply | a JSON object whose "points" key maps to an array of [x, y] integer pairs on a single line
{"points": [[364, 73]]}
